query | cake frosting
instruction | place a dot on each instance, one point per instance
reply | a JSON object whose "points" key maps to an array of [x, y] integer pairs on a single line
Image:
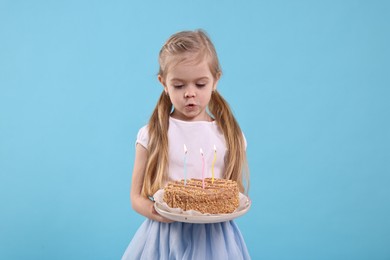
{"points": [[220, 196]]}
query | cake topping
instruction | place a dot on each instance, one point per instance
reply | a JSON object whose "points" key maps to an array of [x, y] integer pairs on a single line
{"points": [[215, 197]]}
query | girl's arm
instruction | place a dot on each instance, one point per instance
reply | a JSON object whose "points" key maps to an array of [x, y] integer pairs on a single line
{"points": [[141, 204]]}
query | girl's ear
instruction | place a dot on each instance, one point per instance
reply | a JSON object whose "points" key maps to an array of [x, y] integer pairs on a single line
{"points": [[217, 77], [162, 81]]}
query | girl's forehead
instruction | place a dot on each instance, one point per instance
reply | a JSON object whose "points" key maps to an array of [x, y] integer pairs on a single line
{"points": [[190, 70]]}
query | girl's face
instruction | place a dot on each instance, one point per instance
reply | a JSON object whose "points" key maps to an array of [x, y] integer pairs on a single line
{"points": [[189, 85]]}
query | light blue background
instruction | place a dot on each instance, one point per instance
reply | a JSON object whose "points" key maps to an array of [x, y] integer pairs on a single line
{"points": [[308, 81]]}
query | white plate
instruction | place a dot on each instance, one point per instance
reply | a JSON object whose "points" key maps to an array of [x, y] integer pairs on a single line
{"points": [[193, 216]]}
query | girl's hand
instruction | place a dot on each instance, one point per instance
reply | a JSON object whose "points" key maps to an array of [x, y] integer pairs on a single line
{"points": [[158, 217], [145, 207]]}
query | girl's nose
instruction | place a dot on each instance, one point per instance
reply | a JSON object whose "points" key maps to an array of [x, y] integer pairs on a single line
{"points": [[189, 94]]}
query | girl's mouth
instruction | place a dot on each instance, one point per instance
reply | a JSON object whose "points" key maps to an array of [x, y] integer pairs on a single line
{"points": [[190, 106]]}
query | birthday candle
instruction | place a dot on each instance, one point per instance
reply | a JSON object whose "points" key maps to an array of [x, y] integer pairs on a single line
{"points": [[185, 164], [201, 153], [212, 165]]}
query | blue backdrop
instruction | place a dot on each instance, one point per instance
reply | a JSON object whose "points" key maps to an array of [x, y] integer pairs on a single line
{"points": [[308, 81]]}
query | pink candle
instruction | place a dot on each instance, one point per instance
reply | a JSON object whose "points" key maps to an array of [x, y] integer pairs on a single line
{"points": [[201, 153]]}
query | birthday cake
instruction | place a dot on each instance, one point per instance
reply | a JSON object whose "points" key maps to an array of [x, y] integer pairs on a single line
{"points": [[215, 197]]}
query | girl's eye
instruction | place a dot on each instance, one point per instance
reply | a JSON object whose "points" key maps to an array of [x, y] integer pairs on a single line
{"points": [[200, 85], [178, 86]]}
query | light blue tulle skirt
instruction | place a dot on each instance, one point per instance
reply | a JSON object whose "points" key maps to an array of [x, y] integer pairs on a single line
{"points": [[178, 240]]}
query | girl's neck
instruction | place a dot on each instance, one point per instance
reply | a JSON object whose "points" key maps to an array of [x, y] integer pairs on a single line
{"points": [[206, 118]]}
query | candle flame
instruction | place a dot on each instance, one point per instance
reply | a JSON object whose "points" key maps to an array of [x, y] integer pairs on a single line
{"points": [[215, 148], [185, 149], [201, 151]]}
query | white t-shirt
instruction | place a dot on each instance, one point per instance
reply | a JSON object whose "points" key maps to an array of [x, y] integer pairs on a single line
{"points": [[194, 135]]}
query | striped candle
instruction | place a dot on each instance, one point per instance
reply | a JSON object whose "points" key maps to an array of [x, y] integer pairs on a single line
{"points": [[212, 165]]}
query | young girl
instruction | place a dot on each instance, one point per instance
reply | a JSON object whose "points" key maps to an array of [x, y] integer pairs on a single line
{"points": [[189, 112]]}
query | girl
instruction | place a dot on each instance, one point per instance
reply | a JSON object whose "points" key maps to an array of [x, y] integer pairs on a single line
{"points": [[189, 112]]}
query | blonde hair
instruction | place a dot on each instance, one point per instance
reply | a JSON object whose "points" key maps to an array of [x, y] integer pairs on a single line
{"points": [[175, 50]]}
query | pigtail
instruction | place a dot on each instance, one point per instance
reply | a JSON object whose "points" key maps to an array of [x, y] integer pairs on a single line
{"points": [[236, 167], [157, 163]]}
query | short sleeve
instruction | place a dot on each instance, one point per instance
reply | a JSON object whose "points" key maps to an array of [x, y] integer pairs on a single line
{"points": [[246, 144], [143, 137]]}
